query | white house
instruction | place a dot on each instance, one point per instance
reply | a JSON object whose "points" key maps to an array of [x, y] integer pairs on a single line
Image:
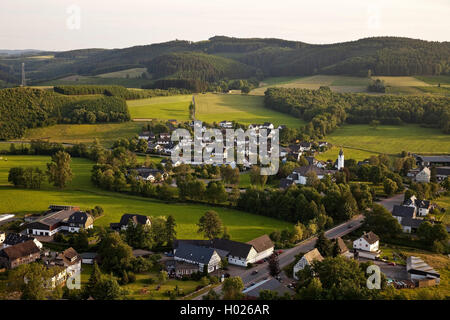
{"points": [[263, 246], [424, 175], [300, 174], [422, 206], [197, 255], [226, 124], [367, 246], [307, 260]]}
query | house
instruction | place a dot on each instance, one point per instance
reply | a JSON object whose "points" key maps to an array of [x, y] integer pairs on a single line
{"points": [[80, 220], [442, 173], [65, 265], [442, 160], [88, 257], [268, 284], [420, 272], [144, 135], [237, 253], [307, 259], [151, 175], [165, 136], [342, 248], [423, 176], [67, 219], [200, 256], [180, 268], [267, 125], [300, 174], [263, 246], [422, 206], [226, 124], [405, 216], [22, 253], [367, 246], [12, 239], [135, 218]]}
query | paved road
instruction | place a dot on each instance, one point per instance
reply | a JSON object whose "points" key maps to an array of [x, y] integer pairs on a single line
{"points": [[390, 202], [288, 256]]}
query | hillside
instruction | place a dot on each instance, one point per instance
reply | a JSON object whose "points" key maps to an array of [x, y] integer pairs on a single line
{"points": [[223, 58]]}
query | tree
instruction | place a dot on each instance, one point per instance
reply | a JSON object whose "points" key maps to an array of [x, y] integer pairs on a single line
{"points": [[210, 225], [274, 265], [431, 233], [114, 253], [31, 281], [171, 233], [324, 245], [256, 178], [232, 288], [389, 187], [106, 289], [215, 192], [162, 276], [94, 278], [381, 222], [313, 291], [211, 295], [225, 234], [446, 184], [59, 171]]}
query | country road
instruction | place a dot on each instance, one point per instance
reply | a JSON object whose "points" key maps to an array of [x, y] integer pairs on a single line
{"points": [[288, 256]]}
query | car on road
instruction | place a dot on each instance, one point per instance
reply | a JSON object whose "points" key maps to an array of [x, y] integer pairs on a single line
{"points": [[392, 264], [349, 226], [226, 275], [254, 272]]}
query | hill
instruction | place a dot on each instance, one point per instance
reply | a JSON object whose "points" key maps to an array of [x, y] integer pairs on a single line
{"points": [[222, 58]]}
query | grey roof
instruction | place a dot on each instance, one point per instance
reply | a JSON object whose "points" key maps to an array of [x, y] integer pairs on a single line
{"points": [[443, 171], [261, 243], [437, 159], [403, 211], [194, 253], [12, 239], [88, 255], [54, 218], [302, 171], [224, 246], [138, 218], [284, 183], [79, 217], [411, 222]]}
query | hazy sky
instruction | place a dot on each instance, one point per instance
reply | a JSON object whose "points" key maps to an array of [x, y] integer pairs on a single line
{"points": [[71, 24]]}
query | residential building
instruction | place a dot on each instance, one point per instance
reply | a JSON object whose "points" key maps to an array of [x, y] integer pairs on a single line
{"points": [[200, 256], [367, 246], [149, 174], [180, 268], [22, 253], [307, 259], [88, 257], [65, 264], [226, 124], [300, 174], [423, 176], [12, 239], [420, 272], [422, 206], [442, 173], [343, 249], [263, 246], [442, 160], [135, 218], [69, 219]]}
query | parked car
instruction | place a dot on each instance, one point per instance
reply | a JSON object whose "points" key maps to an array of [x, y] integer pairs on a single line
{"points": [[254, 272], [392, 264], [226, 275]]}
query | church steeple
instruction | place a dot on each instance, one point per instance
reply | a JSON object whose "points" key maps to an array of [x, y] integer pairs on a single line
{"points": [[340, 163]]}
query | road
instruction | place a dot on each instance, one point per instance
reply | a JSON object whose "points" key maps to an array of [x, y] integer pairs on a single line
{"points": [[288, 256], [389, 203]]}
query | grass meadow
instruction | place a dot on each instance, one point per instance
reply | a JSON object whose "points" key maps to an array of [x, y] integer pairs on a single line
{"points": [[391, 139], [244, 109], [242, 226], [172, 107]]}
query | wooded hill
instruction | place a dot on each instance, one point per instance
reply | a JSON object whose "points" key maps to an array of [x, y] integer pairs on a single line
{"points": [[221, 58]]}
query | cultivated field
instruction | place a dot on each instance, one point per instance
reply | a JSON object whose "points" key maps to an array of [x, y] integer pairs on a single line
{"points": [[172, 107], [244, 109], [391, 139], [107, 133], [129, 73], [241, 226], [336, 83]]}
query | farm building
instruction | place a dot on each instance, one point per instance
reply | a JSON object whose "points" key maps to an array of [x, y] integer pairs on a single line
{"points": [[421, 272]]}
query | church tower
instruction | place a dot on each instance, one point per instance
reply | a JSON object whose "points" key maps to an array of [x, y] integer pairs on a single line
{"points": [[340, 163]]}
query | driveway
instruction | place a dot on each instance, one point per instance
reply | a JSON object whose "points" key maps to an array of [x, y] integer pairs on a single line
{"points": [[389, 203]]}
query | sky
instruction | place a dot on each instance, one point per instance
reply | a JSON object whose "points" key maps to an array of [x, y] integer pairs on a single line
{"points": [[74, 24]]}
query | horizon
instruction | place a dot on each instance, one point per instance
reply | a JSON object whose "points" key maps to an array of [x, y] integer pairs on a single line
{"points": [[62, 25]]}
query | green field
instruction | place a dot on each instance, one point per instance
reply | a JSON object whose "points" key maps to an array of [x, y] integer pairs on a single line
{"points": [[107, 133], [173, 107], [434, 80], [336, 83], [244, 109], [242, 226], [391, 139], [349, 153], [129, 73]]}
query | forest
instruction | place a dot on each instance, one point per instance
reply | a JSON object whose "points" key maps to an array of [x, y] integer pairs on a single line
{"points": [[325, 109], [225, 58]]}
